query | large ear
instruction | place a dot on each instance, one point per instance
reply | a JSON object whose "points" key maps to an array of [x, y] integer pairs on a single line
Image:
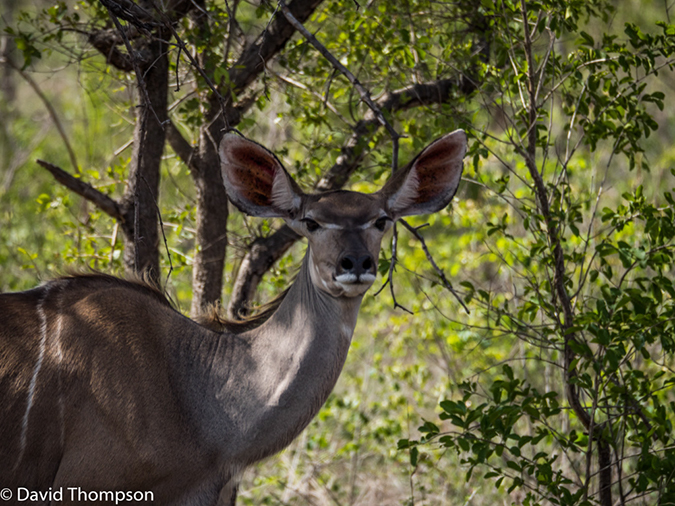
{"points": [[255, 180], [430, 181]]}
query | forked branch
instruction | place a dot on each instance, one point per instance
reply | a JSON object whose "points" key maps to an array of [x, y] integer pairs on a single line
{"points": [[444, 280], [390, 273], [365, 95], [228, 100]]}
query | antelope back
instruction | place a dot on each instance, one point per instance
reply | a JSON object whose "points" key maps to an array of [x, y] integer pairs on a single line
{"points": [[88, 389]]}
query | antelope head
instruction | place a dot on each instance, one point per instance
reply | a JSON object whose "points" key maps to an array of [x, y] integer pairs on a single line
{"points": [[344, 229]]}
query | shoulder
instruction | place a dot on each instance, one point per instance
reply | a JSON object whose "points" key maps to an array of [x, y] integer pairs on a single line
{"points": [[95, 281]]}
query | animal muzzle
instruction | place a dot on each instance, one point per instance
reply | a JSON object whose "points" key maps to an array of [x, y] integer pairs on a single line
{"points": [[355, 269]]}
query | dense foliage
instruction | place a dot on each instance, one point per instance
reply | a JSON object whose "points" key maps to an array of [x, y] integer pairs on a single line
{"points": [[555, 387]]}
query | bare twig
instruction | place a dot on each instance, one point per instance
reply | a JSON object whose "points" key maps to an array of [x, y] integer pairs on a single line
{"points": [[415, 231], [100, 200], [161, 227], [48, 105], [392, 267], [365, 95]]}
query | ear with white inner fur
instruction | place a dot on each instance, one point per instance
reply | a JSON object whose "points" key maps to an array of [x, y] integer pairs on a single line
{"points": [[255, 180], [430, 181]]}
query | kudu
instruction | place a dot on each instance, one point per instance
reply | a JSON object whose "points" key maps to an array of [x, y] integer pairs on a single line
{"points": [[105, 387]]}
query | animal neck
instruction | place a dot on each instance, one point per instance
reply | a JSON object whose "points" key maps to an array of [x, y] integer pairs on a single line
{"points": [[310, 315], [267, 384]]}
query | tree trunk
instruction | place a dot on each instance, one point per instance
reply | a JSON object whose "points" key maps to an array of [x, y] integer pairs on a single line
{"points": [[211, 238], [140, 201], [209, 263], [7, 83]]}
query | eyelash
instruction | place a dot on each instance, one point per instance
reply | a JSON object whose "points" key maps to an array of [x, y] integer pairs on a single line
{"points": [[381, 223], [311, 225]]}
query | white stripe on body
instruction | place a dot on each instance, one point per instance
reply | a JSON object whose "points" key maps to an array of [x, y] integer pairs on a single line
{"points": [[42, 317]]}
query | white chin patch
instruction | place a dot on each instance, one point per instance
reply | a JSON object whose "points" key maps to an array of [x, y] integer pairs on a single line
{"points": [[346, 278], [351, 285], [367, 278], [349, 279]]}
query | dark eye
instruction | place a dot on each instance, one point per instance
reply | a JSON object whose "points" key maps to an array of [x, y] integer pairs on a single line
{"points": [[311, 225], [381, 223]]}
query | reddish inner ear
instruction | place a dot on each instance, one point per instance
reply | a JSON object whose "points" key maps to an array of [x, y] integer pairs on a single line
{"points": [[432, 173], [254, 175], [438, 169]]}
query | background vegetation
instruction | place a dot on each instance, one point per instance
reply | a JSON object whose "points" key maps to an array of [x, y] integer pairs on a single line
{"points": [[547, 381]]}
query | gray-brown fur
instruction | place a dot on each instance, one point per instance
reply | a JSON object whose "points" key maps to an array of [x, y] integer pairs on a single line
{"points": [[170, 422]]}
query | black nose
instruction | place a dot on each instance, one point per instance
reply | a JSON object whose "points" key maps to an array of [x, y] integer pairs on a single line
{"points": [[351, 264]]}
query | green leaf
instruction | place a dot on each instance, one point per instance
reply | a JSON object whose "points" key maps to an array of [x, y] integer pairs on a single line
{"points": [[414, 455]]}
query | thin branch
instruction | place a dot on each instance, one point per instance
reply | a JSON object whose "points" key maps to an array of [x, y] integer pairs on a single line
{"points": [[390, 276], [365, 95], [48, 105], [415, 231], [392, 266], [106, 41], [231, 20], [134, 61], [161, 227], [185, 151], [553, 233], [100, 200]]}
